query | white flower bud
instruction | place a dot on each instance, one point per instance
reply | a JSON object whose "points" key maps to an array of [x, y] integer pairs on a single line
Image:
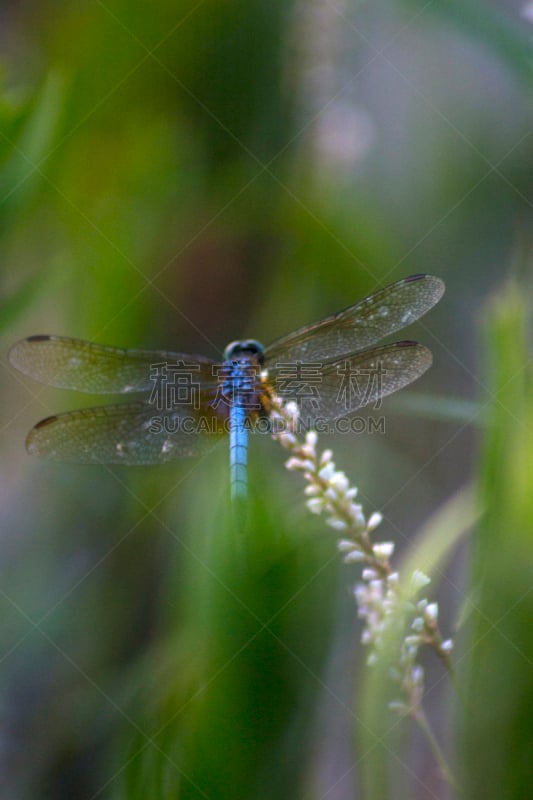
{"points": [[294, 463], [335, 522], [383, 550], [419, 580], [307, 452], [370, 574], [417, 675], [326, 457], [360, 598], [375, 519], [327, 472], [311, 439], [354, 556], [345, 545], [315, 505], [340, 482], [356, 513], [431, 612]]}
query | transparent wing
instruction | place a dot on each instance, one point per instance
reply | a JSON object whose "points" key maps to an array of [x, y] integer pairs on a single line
{"points": [[359, 326], [127, 433], [351, 382], [93, 368]]}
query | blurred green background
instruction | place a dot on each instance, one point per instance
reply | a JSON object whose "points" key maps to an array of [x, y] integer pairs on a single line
{"points": [[180, 174]]}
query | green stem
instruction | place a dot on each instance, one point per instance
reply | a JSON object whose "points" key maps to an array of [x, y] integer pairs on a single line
{"points": [[422, 722]]}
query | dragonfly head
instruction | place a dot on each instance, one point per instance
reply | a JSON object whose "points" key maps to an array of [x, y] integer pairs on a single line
{"points": [[245, 348]]}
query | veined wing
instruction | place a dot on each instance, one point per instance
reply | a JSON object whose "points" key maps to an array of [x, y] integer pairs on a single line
{"points": [[126, 433], [94, 368], [360, 326], [354, 381]]}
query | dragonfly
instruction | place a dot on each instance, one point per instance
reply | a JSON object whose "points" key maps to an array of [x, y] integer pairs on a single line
{"points": [[186, 402]]}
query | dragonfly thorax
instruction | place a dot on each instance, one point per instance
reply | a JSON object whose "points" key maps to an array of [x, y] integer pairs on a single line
{"points": [[245, 348]]}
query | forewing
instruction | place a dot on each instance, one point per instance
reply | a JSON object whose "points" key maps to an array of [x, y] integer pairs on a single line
{"points": [[127, 433], [360, 326], [97, 369], [354, 381]]}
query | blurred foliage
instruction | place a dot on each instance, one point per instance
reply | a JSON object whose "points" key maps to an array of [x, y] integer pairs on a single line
{"points": [[497, 729], [178, 175], [382, 732], [243, 672], [493, 25]]}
